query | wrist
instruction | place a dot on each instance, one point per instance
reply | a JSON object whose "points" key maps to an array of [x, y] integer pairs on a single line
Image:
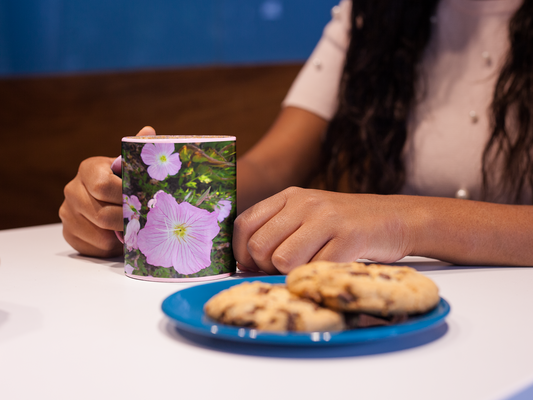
{"points": [[417, 216]]}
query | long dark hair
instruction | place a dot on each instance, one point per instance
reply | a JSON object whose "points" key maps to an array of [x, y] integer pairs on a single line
{"points": [[365, 139]]}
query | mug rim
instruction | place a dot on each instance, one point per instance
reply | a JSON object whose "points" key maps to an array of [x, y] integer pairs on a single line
{"points": [[178, 139]]}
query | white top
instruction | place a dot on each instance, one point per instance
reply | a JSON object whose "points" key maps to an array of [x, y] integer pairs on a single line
{"points": [[74, 327], [449, 129]]}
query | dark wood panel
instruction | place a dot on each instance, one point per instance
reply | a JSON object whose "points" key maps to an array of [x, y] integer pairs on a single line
{"points": [[49, 125]]}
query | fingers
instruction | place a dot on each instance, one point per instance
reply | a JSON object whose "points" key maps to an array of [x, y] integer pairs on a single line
{"points": [[282, 232], [146, 131], [247, 269], [87, 238], [300, 225], [313, 241], [101, 185], [338, 249], [92, 209], [263, 244], [246, 225], [300, 247], [104, 215]]}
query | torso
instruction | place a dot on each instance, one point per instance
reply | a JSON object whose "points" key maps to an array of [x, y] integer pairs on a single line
{"points": [[450, 126]]}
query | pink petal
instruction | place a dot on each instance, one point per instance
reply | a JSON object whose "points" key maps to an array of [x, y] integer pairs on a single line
{"points": [[193, 257], [223, 209], [164, 148], [130, 237], [135, 202], [203, 223], [173, 164], [149, 154], [155, 239], [157, 171], [127, 212]]}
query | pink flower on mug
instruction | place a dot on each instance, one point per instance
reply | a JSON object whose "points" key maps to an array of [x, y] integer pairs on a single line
{"points": [[151, 202], [130, 236], [161, 160], [178, 235], [222, 209], [130, 206], [128, 269]]}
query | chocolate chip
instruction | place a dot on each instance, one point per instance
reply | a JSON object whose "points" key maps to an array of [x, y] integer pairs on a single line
{"points": [[223, 313], [255, 309], [314, 296], [363, 320], [291, 321], [384, 276], [263, 290], [366, 320], [397, 318], [359, 273], [346, 297]]}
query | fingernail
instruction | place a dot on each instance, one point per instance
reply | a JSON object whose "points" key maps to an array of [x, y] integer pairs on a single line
{"points": [[116, 167], [120, 236]]}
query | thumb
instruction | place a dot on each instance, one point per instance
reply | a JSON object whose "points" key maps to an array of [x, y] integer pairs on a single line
{"points": [[146, 131]]}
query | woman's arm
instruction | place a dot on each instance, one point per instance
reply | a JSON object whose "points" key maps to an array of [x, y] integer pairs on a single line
{"points": [[471, 232], [286, 156], [301, 225]]}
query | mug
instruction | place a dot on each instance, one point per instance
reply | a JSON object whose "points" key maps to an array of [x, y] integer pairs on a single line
{"points": [[179, 206]]}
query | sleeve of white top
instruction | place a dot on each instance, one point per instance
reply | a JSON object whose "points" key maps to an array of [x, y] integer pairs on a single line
{"points": [[316, 87]]}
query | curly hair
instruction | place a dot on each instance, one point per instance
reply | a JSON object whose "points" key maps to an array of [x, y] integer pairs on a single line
{"points": [[365, 139]]}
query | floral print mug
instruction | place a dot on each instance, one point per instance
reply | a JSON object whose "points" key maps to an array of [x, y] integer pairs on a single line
{"points": [[178, 206]]}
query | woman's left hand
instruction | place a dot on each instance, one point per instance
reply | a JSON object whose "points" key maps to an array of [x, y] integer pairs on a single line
{"points": [[297, 226]]}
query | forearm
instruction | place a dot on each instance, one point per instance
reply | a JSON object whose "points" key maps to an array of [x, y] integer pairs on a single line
{"points": [[253, 184], [470, 232], [286, 156]]}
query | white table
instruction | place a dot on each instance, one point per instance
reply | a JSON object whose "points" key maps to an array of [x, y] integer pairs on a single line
{"points": [[76, 328]]}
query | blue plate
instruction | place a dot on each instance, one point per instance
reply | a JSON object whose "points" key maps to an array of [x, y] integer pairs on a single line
{"points": [[185, 309]]}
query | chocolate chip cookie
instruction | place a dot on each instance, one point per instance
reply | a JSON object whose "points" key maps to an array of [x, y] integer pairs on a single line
{"points": [[356, 287], [270, 307]]}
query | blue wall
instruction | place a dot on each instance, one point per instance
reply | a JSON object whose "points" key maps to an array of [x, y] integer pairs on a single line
{"points": [[66, 36]]}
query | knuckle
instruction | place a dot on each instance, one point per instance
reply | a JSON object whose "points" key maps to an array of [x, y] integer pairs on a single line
{"points": [[240, 224], [69, 238], [91, 174], [105, 218], [313, 201], [258, 250], [63, 212], [108, 245], [85, 165], [292, 191], [282, 263], [332, 216], [100, 186], [68, 190], [243, 225]]}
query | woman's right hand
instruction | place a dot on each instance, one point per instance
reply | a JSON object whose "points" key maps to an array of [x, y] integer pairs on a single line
{"points": [[92, 209]]}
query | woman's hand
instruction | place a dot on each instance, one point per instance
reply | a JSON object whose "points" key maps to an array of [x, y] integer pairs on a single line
{"points": [[92, 209], [298, 225]]}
